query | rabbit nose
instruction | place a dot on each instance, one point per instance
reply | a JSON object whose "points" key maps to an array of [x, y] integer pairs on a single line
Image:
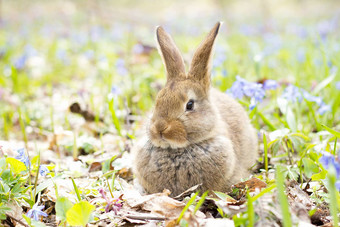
{"points": [[160, 127]]}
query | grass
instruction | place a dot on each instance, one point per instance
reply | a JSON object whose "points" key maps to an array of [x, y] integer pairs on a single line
{"points": [[114, 77]]}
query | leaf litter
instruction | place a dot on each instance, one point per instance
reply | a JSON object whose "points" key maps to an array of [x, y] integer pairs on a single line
{"points": [[87, 148]]}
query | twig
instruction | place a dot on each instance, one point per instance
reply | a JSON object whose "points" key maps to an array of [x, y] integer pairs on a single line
{"points": [[141, 217], [17, 220]]}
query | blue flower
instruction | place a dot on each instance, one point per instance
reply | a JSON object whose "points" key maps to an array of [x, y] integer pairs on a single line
{"points": [[115, 90], [337, 185], [22, 157], [293, 94], [328, 160], [20, 62], [270, 85], [138, 48], [241, 88], [312, 98], [337, 85], [43, 170], [301, 55], [324, 108], [256, 92], [237, 88], [89, 54], [324, 28], [36, 212], [120, 67]]}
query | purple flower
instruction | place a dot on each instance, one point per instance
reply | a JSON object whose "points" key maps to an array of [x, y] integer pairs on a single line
{"points": [[43, 170], [115, 90], [20, 62], [120, 67], [256, 92], [324, 28], [337, 185], [95, 33], [224, 72], [312, 98], [301, 55], [36, 212], [337, 85], [28, 52], [22, 157], [241, 88], [328, 160], [237, 88], [324, 108], [61, 54], [89, 54], [138, 48], [292, 93], [115, 204], [270, 85]]}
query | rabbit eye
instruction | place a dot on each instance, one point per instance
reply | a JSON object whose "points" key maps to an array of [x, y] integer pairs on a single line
{"points": [[190, 105]]}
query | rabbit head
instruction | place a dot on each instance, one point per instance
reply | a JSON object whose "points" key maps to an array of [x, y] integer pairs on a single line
{"points": [[183, 113]]}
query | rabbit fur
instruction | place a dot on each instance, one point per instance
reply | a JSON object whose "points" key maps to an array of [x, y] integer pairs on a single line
{"points": [[212, 144]]}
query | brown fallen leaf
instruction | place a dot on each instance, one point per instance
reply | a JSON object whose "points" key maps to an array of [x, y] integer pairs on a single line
{"points": [[95, 166], [159, 203], [252, 184]]}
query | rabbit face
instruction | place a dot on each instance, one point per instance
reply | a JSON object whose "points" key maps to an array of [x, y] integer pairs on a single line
{"points": [[179, 118]]}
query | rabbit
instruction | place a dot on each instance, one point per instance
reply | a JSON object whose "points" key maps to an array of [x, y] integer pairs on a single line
{"points": [[197, 134]]}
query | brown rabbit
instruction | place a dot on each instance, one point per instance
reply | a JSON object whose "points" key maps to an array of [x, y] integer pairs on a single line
{"points": [[197, 135]]}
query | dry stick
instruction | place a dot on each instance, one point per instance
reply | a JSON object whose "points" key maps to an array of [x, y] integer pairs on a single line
{"points": [[17, 220], [141, 217], [145, 217]]}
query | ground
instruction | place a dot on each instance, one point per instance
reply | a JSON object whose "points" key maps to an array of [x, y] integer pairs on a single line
{"points": [[78, 80]]}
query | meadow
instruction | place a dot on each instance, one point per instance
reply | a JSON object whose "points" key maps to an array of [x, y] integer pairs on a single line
{"points": [[78, 81]]}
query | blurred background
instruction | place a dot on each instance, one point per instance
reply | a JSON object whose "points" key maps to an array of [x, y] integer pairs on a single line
{"points": [[56, 53]]}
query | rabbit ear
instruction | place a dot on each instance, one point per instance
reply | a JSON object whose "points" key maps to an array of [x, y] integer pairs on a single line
{"points": [[171, 56], [201, 62]]}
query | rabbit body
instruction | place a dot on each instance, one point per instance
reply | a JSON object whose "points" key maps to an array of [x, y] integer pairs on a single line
{"points": [[197, 134]]}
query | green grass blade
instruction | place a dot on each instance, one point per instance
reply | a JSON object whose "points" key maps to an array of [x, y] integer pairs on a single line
{"points": [[287, 221], [76, 190], [335, 133], [264, 191], [200, 202], [250, 211], [266, 121], [191, 201], [115, 119]]}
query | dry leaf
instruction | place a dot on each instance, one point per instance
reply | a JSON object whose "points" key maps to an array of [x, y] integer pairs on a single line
{"points": [[95, 166], [252, 184]]}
